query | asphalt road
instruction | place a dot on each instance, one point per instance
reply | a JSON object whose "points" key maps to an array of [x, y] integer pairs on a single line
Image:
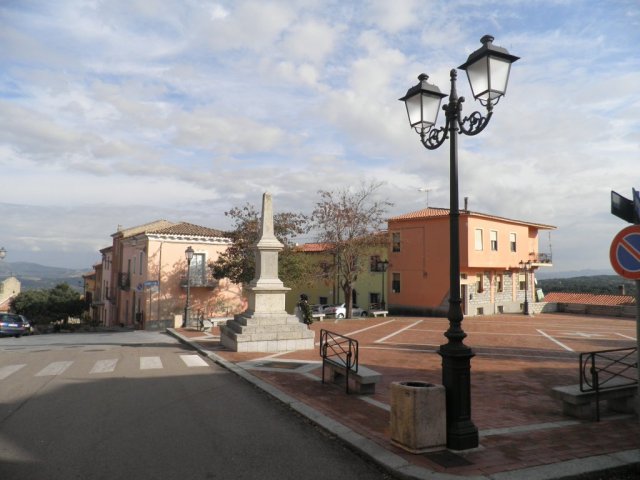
{"points": [[139, 405]]}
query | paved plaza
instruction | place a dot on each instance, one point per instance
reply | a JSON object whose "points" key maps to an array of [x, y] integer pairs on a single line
{"points": [[523, 433]]}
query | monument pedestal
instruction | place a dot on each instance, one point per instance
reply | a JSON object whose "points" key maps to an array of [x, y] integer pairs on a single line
{"points": [[272, 333], [266, 326]]}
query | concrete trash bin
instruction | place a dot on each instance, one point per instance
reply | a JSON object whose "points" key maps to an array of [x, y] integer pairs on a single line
{"points": [[418, 416]]}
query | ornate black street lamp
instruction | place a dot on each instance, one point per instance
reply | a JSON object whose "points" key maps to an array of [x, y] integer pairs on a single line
{"points": [[488, 72], [189, 255], [526, 266]]}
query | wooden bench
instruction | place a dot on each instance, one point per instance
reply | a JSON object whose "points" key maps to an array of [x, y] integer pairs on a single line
{"points": [[340, 364], [379, 313], [579, 404]]}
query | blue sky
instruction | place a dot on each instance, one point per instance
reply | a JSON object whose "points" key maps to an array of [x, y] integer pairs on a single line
{"points": [[123, 112]]}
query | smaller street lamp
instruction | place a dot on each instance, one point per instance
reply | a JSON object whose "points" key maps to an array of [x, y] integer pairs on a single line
{"points": [[3, 253], [189, 256], [526, 266], [382, 267]]}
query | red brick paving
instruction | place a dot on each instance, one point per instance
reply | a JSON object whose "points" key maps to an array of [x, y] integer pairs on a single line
{"points": [[511, 377]]}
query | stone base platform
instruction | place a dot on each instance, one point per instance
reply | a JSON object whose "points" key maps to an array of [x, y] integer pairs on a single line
{"points": [[266, 333]]}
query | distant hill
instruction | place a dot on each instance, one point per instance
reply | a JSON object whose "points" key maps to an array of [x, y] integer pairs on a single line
{"points": [[599, 284], [33, 276]]}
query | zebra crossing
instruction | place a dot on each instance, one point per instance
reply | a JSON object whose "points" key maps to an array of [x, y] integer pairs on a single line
{"points": [[104, 366]]}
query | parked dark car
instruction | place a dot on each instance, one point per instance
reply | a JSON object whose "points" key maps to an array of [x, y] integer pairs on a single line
{"points": [[13, 325]]}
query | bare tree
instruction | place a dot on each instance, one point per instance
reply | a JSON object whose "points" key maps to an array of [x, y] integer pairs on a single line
{"points": [[350, 223]]}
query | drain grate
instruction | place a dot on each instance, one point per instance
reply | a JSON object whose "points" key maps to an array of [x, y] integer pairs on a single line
{"points": [[282, 365], [447, 459]]}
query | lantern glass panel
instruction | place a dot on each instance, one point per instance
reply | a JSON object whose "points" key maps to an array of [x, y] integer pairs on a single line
{"points": [[414, 109], [499, 69]]}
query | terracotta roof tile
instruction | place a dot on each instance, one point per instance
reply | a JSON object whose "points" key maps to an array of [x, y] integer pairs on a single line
{"points": [[314, 247], [147, 227], [444, 212], [589, 299], [190, 229]]}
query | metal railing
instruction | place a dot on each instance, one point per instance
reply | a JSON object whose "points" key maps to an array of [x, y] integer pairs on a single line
{"points": [[207, 281], [607, 369], [339, 350]]}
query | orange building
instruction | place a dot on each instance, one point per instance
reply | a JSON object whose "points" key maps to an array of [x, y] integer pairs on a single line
{"points": [[498, 260]]}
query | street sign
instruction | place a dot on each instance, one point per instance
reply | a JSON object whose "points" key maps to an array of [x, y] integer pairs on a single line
{"points": [[151, 284], [622, 207], [625, 253]]}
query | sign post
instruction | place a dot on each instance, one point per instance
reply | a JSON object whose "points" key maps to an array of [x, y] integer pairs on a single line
{"points": [[625, 257]]}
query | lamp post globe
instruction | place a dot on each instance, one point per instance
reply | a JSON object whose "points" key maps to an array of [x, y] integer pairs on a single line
{"points": [[189, 256], [488, 72]]}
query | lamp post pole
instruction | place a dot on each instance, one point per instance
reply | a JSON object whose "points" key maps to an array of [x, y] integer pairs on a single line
{"points": [[189, 255], [382, 266], [527, 268], [488, 72]]}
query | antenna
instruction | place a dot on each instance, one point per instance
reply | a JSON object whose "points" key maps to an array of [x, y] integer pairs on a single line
{"points": [[424, 189]]}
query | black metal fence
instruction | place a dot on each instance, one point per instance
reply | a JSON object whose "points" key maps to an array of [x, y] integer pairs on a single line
{"points": [[607, 369], [339, 350]]}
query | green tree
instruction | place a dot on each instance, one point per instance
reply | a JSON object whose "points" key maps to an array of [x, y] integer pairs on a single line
{"points": [[43, 306], [238, 262], [350, 222]]}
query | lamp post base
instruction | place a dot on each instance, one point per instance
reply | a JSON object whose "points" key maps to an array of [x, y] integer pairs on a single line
{"points": [[462, 434]]}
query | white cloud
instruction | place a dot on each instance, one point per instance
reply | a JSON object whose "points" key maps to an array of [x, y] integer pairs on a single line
{"points": [[135, 110]]}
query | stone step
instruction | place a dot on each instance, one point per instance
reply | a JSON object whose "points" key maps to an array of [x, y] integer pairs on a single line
{"points": [[239, 328], [268, 345], [267, 320]]}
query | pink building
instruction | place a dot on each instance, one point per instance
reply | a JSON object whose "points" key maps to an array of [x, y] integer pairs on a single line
{"points": [[142, 280], [498, 260]]}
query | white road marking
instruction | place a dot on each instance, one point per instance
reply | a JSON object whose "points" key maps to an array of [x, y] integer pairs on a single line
{"points": [[150, 363], [381, 340], [625, 336], [104, 366], [194, 361], [582, 334], [554, 340], [369, 328], [9, 370], [53, 369]]}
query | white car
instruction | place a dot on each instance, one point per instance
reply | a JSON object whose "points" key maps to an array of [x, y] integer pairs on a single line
{"points": [[340, 311]]}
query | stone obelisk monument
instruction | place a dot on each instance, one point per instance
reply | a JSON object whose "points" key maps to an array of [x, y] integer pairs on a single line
{"points": [[266, 326]]}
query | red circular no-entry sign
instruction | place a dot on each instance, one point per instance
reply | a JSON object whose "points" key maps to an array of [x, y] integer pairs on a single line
{"points": [[625, 253]]}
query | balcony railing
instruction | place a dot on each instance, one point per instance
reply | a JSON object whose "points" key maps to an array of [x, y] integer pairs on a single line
{"points": [[199, 281], [541, 259]]}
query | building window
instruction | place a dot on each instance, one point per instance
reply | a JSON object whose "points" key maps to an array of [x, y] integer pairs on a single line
{"points": [[395, 240], [395, 284], [141, 254], [499, 283], [479, 283], [323, 300], [374, 299], [197, 269], [134, 265], [512, 242], [494, 240], [522, 280], [478, 236], [373, 263]]}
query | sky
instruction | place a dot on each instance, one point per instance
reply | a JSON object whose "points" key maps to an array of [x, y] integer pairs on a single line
{"points": [[122, 112]]}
